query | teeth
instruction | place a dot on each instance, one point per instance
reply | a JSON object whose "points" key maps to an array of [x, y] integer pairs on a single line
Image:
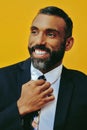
{"points": [[39, 52]]}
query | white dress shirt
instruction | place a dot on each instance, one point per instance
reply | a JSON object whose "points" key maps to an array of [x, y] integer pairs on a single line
{"points": [[47, 113]]}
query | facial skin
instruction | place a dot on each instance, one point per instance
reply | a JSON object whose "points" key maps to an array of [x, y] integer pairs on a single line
{"points": [[47, 42]]}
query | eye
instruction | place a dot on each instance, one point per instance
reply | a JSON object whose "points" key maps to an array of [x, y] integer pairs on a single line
{"points": [[34, 32], [51, 34]]}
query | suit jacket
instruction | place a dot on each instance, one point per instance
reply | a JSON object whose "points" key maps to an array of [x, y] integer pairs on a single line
{"points": [[71, 110]]}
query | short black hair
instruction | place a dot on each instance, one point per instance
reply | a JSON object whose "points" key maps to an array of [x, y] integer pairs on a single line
{"points": [[53, 10]]}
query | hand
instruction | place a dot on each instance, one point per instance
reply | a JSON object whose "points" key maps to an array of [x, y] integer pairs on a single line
{"points": [[34, 95]]}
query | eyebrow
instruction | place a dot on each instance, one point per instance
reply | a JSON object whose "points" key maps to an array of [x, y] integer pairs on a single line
{"points": [[33, 27], [52, 30], [48, 29]]}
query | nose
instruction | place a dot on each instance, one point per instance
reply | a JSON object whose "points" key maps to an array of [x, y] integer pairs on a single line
{"points": [[41, 39]]}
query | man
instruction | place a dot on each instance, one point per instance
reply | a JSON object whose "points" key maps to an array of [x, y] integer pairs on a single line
{"points": [[60, 101]]}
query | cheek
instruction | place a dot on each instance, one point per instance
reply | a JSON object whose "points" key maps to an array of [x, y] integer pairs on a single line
{"points": [[54, 45], [31, 42]]}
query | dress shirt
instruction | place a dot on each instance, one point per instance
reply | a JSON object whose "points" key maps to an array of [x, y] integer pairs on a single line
{"points": [[47, 113]]}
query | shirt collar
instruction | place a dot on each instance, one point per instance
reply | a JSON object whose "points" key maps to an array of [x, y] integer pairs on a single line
{"points": [[50, 76]]}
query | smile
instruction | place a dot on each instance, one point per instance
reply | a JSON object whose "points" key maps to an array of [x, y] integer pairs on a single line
{"points": [[40, 53]]}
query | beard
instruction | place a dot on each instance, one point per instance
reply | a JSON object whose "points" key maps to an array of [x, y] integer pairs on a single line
{"points": [[46, 64]]}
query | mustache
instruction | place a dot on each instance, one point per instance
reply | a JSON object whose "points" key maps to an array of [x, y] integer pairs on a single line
{"points": [[41, 47]]}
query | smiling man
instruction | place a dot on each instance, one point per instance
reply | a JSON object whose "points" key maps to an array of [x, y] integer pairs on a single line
{"points": [[48, 42], [57, 102]]}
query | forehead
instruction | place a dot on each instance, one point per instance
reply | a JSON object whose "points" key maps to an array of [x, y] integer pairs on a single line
{"points": [[49, 21]]}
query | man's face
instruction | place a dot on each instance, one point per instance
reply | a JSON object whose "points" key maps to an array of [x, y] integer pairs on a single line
{"points": [[46, 42]]}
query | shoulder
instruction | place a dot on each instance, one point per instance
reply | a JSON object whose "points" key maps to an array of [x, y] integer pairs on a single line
{"points": [[19, 65], [75, 75], [11, 74], [15, 68], [76, 79], [74, 72]]}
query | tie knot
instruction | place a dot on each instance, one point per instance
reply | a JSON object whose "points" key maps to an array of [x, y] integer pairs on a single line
{"points": [[42, 77]]}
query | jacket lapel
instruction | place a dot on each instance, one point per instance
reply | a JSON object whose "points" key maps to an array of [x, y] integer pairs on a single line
{"points": [[64, 97], [23, 74]]}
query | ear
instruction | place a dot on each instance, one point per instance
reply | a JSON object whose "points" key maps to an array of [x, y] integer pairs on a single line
{"points": [[69, 43]]}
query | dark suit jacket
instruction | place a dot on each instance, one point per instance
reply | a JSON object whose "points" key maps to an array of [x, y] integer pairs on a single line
{"points": [[71, 111]]}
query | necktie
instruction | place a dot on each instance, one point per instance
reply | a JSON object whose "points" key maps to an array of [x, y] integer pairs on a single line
{"points": [[36, 118], [42, 77]]}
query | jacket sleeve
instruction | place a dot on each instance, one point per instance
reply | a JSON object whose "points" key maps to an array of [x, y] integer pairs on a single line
{"points": [[10, 118]]}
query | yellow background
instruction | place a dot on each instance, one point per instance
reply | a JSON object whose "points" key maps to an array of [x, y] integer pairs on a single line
{"points": [[15, 20]]}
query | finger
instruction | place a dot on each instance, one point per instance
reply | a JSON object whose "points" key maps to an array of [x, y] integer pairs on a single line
{"points": [[34, 83], [37, 82], [40, 82], [49, 98], [47, 92], [28, 83], [45, 86]]}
